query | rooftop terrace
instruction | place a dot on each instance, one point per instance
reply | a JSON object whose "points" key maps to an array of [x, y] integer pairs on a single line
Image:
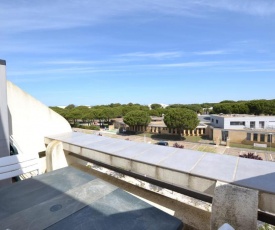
{"points": [[193, 173]]}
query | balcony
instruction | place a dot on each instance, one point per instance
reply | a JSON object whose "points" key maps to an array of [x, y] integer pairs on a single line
{"points": [[203, 190], [197, 187]]}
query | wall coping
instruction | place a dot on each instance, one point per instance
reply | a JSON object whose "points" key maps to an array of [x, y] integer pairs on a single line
{"points": [[242, 172]]}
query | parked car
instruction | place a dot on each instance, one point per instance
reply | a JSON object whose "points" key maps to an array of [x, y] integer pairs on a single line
{"points": [[165, 143]]}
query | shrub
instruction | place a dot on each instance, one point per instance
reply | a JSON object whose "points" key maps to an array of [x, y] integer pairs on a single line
{"points": [[91, 127], [250, 156]]}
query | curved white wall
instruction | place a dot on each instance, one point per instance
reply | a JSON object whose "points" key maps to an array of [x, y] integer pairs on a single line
{"points": [[30, 120]]}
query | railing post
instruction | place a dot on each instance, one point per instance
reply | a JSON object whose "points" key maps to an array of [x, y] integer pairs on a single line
{"points": [[237, 206]]}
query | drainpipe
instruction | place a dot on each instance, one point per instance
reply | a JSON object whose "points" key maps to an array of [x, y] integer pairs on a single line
{"points": [[4, 119]]}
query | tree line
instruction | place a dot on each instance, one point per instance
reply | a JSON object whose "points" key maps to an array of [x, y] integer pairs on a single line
{"points": [[133, 115], [256, 107], [177, 116]]}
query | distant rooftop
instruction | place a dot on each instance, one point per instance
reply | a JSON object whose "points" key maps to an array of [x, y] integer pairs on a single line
{"points": [[240, 115]]}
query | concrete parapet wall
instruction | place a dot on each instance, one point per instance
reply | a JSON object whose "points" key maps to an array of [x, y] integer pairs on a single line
{"points": [[167, 175]]}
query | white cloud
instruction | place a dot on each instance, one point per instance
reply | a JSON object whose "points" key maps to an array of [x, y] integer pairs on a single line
{"points": [[212, 52], [253, 7], [158, 55]]}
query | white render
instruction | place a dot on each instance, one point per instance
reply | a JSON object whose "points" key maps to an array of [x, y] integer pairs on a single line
{"points": [[30, 120]]}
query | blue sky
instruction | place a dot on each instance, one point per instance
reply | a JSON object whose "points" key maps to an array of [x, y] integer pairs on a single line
{"points": [[89, 52]]}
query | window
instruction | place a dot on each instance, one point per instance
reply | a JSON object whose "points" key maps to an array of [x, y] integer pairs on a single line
{"points": [[261, 124], [255, 137], [252, 124], [262, 137], [237, 123], [217, 122], [212, 120], [248, 136]]}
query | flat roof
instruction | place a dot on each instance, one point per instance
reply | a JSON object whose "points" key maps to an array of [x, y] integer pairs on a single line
{"points": [[239, 115]]}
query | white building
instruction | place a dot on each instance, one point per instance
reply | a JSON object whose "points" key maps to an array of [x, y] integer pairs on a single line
{"points": [[242, 121], [242, 128]]}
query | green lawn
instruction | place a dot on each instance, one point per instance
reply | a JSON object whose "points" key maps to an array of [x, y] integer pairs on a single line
{"points": [[208, 149], [250, 147], [195, 139]]}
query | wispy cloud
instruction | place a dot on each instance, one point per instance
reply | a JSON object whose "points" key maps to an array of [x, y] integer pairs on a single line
{"points": [[157, 55], [212, 52], [63, 73], [253, 7], [24, 15]]}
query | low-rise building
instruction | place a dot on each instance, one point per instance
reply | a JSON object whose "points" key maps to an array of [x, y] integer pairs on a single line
{"points": [[242, 128], [158, 126]]}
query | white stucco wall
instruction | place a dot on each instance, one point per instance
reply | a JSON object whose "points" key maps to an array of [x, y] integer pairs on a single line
{"points": [[30, 120], [224, 121], [4, 128]]}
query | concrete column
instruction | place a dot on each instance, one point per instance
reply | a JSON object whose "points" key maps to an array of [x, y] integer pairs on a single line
{"points": [[259, 137], [227, 141], [55, 156], [266, 138], [237, 206], [193, 132], [4, 119]]}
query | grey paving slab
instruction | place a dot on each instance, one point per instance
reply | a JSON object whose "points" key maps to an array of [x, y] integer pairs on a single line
{"points": [[72, 199], [182, 160], [89, 139], [102, 145], [82, 140], [155, 154], [134, 150], [118, 211], [79, 139], [256, 174], [65, 136], [216, 166], [120, 146]]}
